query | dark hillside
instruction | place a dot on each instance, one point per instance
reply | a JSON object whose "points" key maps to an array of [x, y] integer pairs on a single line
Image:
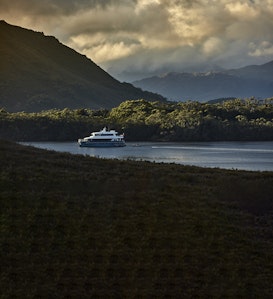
{"points": [[80, 227], [38, 73]]}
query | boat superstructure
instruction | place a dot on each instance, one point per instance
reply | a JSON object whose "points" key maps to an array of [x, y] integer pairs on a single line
{"points": [[103, 138]]}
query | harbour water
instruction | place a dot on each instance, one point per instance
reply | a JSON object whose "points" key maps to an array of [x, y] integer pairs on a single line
{"points": [[257, 156]]}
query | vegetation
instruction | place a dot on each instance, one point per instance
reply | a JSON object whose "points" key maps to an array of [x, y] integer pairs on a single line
{"points": [[236, 119], [80, 227]]}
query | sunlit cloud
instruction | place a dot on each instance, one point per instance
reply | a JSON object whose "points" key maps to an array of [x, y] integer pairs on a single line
{"points": [[154, 35], [243, 10], [105, 52], [213, 46]]}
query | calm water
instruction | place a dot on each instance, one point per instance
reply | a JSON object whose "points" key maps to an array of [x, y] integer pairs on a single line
{"points": [[229, 155]]}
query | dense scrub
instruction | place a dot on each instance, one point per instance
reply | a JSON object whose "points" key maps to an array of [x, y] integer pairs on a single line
{"points": [[142, 120], [80, 227]]}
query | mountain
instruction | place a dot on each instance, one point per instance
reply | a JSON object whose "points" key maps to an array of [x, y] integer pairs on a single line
{"points": [[37, 72], [254, 80]]}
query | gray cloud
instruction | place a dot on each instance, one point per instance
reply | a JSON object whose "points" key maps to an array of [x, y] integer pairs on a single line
{"points": [[149, 36]]}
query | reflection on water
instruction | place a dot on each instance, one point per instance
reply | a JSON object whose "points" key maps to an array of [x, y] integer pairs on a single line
{"points": [[236, 155]]}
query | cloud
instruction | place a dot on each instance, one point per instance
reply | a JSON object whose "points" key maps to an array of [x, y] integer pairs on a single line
{"points": [[243, 10], [213, 46], [154, 35], [265, 48]]}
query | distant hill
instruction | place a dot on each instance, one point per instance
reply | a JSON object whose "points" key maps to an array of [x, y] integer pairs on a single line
{"points": [[250, 81], [37, 72]]}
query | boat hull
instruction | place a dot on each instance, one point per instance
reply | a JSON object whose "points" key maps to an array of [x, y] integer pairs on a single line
{"points": [[101, 144]]}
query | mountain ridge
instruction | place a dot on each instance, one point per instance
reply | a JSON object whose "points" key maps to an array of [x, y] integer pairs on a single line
{"points": [[248, 81], [38, 73]]}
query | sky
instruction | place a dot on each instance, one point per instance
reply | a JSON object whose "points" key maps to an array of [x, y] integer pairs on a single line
{"points": [[133, 39]]}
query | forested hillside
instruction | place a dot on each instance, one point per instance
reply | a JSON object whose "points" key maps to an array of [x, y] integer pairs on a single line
{"points": [[142, 120]]}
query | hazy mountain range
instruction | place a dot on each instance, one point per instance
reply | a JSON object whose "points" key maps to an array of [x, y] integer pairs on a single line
{"points": [[250, 81], [37, 72]]}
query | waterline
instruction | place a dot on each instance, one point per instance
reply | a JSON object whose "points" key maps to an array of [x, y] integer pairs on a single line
{"points": [[256, 156]]}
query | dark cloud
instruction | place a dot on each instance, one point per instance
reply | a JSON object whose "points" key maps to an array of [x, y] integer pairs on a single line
{"points": [[45, 7]]}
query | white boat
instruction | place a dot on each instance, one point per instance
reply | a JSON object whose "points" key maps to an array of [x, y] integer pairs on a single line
{"points": [[103, 138]]}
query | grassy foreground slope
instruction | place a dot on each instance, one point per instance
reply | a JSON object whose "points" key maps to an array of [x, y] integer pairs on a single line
{"points": [[80, 227]]}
